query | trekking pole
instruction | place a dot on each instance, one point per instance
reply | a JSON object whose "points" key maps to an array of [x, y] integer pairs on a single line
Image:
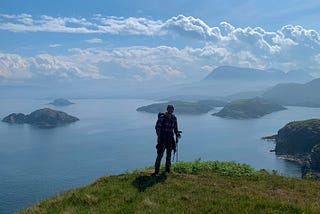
{"points": [[175, 151], [179, 132], [177, 159]]}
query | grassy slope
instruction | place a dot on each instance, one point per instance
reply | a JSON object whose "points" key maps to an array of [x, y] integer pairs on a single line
{"points": [[197, 187]]}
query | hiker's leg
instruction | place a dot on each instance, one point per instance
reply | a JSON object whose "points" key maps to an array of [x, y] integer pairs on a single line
{"points": [[160, 151], [168, 157]]}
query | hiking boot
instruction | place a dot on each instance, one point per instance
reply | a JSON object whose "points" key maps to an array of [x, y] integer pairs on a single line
{"points": [[155, 174]]}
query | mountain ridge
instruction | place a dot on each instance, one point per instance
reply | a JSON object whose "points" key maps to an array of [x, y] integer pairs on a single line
{"points": [[295, 94], [246, 73]]}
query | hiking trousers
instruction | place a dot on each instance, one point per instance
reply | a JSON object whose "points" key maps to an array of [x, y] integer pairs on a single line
{"points": [[166, 144]]}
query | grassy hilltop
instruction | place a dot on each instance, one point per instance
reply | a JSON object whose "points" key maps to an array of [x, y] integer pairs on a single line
{"points": [[193, 187]]}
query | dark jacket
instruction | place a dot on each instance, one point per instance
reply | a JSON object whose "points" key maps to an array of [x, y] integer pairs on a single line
{"points": [[167, 124]]}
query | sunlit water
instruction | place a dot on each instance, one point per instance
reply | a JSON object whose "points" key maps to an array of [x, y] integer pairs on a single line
{"points": [[111, 138]]}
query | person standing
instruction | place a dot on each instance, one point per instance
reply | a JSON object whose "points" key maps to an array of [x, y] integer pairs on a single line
{"points": [[166, 127]]}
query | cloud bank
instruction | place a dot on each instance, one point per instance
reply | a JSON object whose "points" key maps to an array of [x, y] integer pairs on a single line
{"points": [[289, 48]]}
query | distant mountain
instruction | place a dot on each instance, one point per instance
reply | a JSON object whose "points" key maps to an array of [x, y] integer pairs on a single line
{"points": [[43, 118], [248, 108], [199, 107], [251, 74], [295, 94], [245, 95], [61, 102]]}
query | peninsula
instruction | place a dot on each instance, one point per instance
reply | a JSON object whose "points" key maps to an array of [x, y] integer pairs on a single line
{"points": [[248, 108], [199, 107]]}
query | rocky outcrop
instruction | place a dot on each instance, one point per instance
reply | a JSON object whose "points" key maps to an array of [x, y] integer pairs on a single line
{"points": [[299, 141], [315, 158], [15, 118], [298, 137], [45, 118], [311, 168], [248, 108]]}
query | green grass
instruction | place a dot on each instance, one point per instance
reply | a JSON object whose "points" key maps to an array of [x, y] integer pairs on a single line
{"points": [[193, 187], [311, 123]]}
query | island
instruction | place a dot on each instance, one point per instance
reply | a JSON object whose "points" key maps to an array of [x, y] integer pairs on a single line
{"points": [[43, 118], [61, 102], [299, 141], [248, 108], [182, 107]]}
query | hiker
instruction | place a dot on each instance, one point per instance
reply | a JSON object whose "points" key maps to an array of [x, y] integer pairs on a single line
{"points": [[166, 127]]}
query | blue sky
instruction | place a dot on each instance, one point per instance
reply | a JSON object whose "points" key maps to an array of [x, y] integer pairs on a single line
{"points": [[172, 41]]}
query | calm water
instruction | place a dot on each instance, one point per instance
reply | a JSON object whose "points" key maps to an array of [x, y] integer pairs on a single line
{"points": [[111, 137]]}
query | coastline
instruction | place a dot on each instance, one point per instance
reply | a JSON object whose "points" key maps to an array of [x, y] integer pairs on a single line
{"points": [[301, 159]]}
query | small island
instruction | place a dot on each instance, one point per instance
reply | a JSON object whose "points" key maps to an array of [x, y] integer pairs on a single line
{"points": [[248, 108], [43, 118], [299, 141], [182, 107], [61, 102]]}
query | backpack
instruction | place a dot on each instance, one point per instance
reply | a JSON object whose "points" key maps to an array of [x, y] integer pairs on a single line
{"points": [[160, 114]]}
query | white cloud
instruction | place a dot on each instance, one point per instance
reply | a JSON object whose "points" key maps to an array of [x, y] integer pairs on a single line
{"points": [[26, 23], [131, 25], [141, 63], [226, 28], [291, 47], [98, 24], [207, 68], [55, 45], [94, 40], [13, 66], [161, 62], [190, 27], [65, 67]]}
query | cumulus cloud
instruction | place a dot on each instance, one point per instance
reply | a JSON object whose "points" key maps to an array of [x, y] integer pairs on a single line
{"points": [[150, 63], [289, 48], [181, 25], [190, 27], [140, 63], [14, 66]]}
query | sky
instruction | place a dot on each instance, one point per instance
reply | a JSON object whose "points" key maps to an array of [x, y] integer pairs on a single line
{"points": [[154, 41]]}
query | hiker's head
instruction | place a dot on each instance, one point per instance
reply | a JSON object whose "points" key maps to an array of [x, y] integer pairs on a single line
{"points": [[170, 108]]}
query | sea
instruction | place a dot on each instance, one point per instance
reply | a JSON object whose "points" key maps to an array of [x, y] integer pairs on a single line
{"points": [[111, 138]]}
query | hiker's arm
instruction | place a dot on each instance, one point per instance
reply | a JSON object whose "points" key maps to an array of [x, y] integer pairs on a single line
{"points": [[176, 130]]}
